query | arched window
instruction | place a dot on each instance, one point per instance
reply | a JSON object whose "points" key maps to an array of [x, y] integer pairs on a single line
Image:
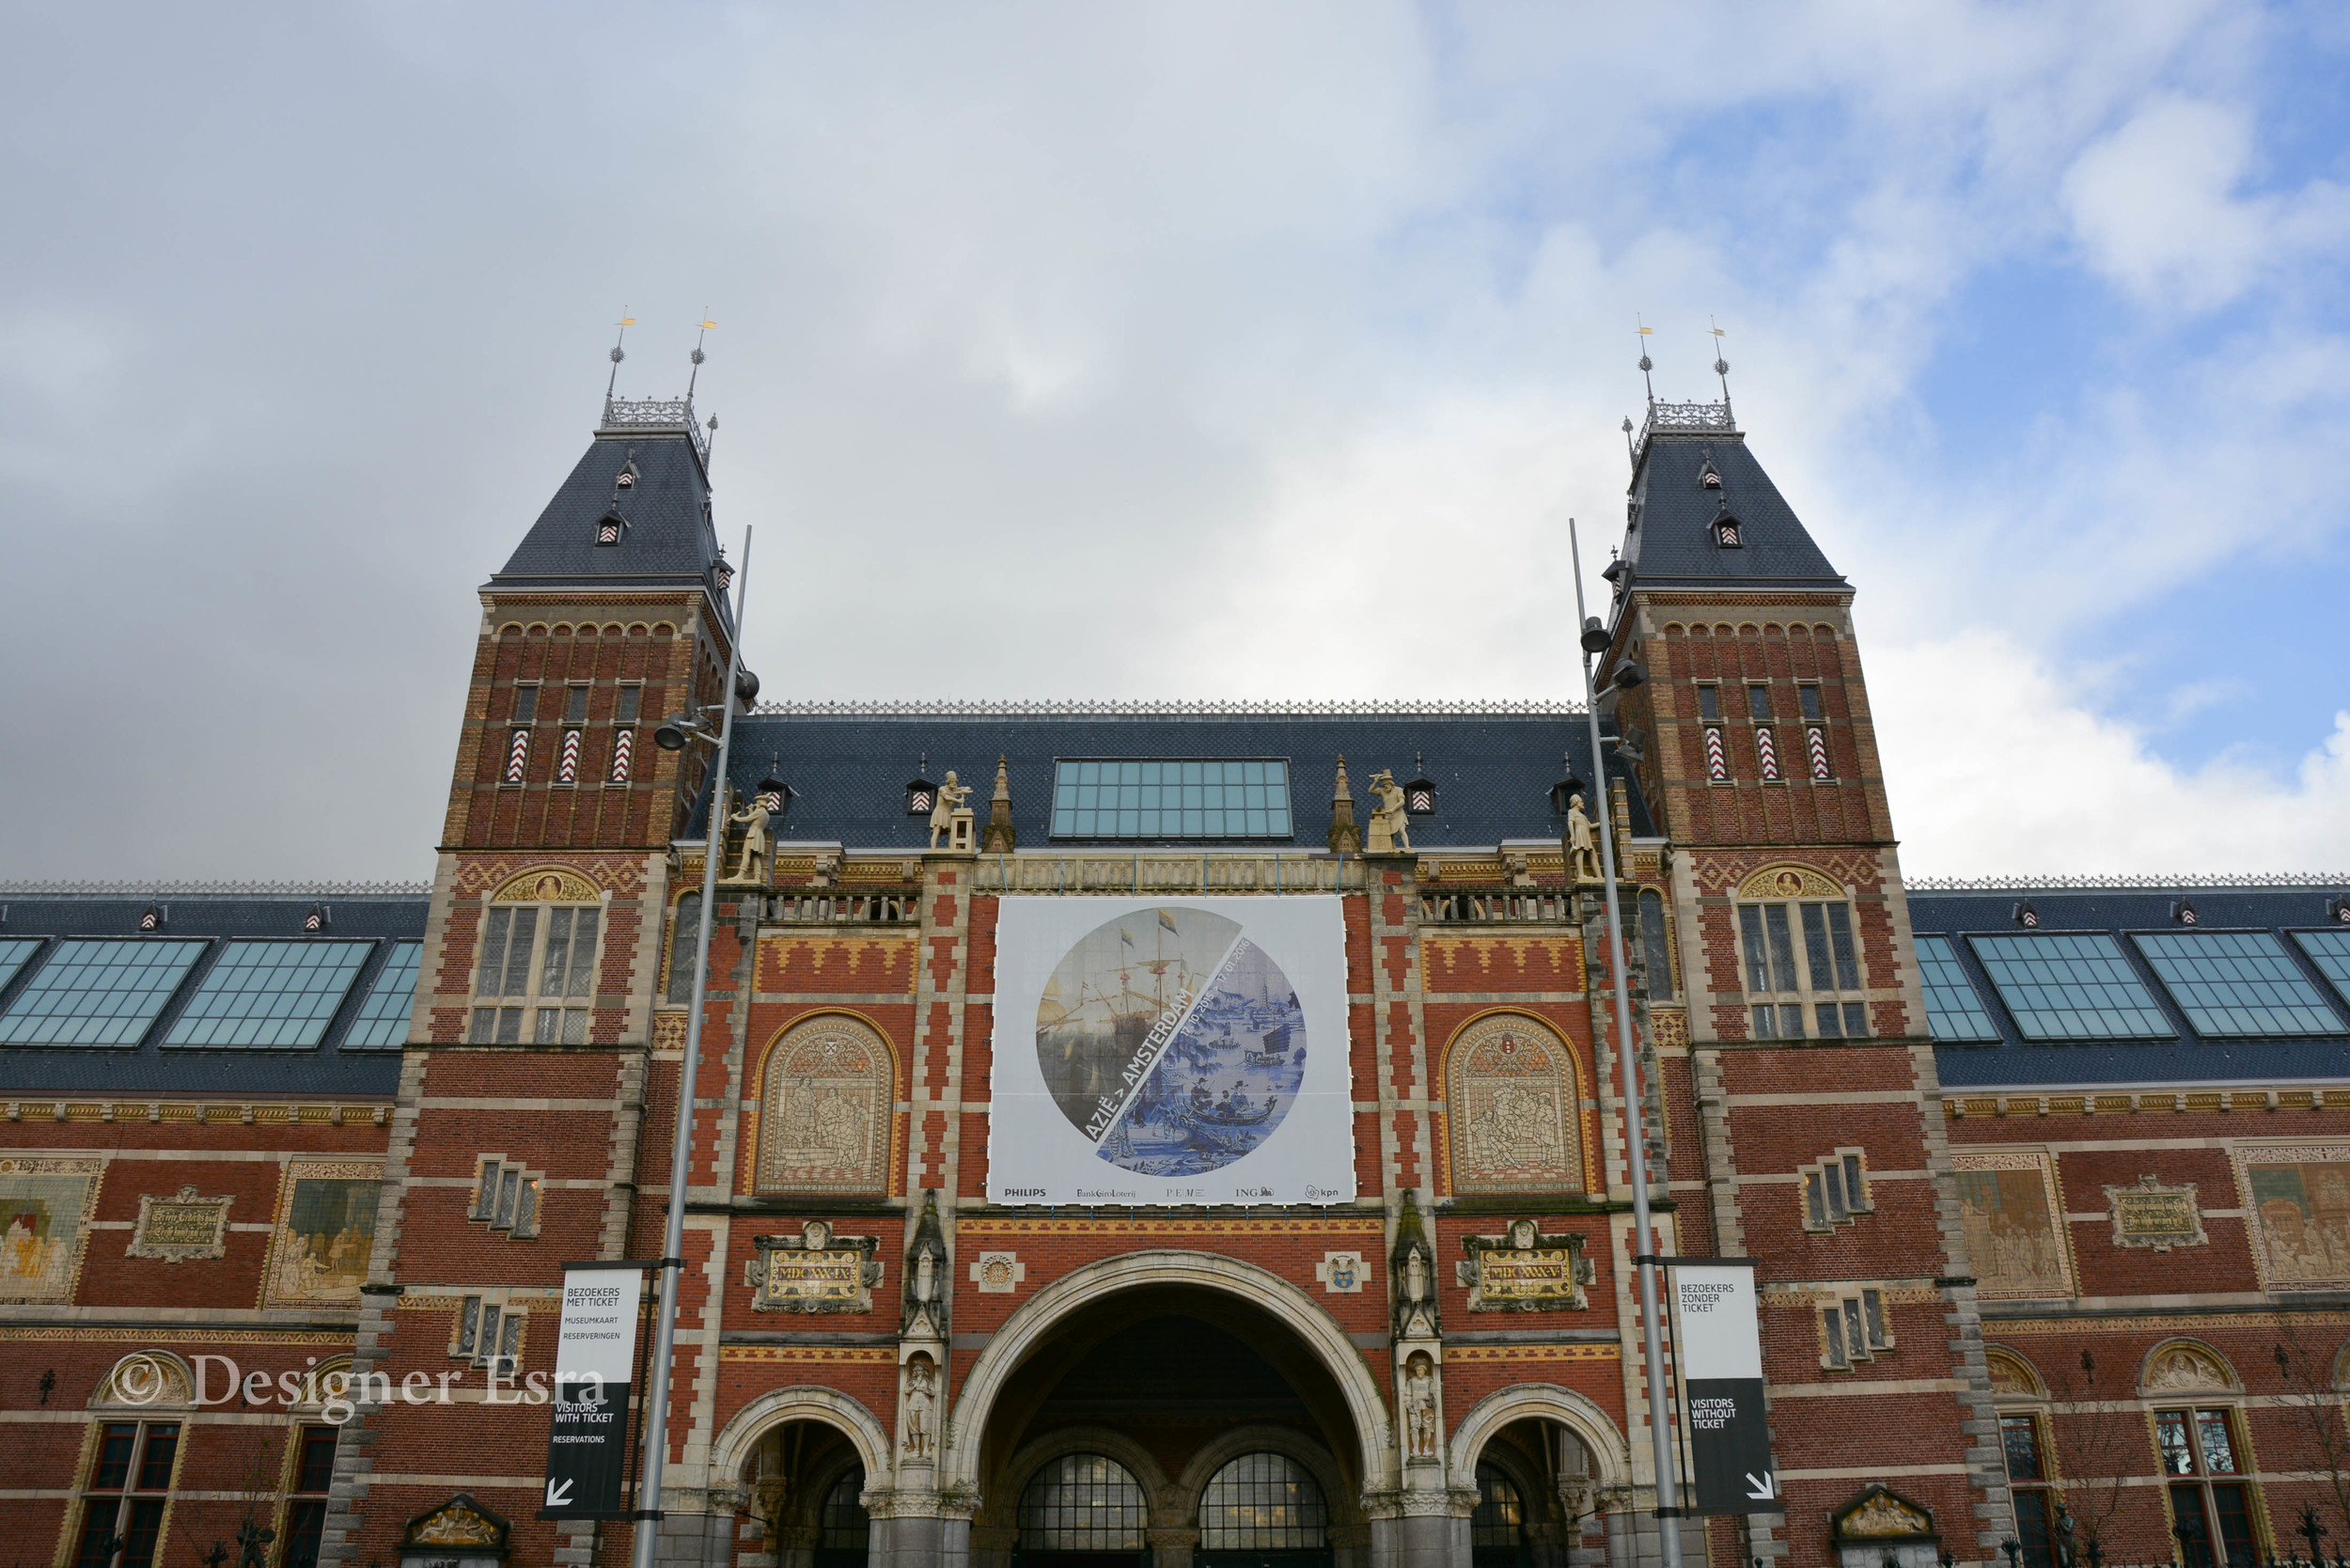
{"points": [[1263, 1503], [684, 929], [1497, 1529], [1654, 945], [843, 1532], [825, 1108], [1512, 1104], [1083, 1502], [535, 980]]}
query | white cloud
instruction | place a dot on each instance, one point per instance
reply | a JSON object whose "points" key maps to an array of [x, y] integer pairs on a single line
{"points": [[2156, 208], [1995, 766]]}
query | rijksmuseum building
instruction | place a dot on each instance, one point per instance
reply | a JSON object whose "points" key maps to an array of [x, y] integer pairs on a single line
{"points": [[1175, 1134]]}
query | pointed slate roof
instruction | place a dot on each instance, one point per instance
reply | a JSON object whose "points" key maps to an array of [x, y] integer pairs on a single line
{"points": [[668, 538], [1670, 539]]}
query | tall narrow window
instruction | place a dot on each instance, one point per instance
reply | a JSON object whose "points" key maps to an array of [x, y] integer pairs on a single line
{"points": [[537, 975], [684, 933], [1808, 698], [1710, 717], [1497, 1529], [2209, 1503], [567, 764], [526, 704], [575, 705], [625, 708], [1759, 703], [129, 1490], [1710, 704], [2028, 1478], [305, 1510], [518, 757], [1657, 944]]}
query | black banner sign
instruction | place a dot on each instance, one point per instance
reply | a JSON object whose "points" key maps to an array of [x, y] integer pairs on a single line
{"points": [[587, 1443]]}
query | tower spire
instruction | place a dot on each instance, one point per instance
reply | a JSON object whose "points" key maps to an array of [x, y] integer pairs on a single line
{"points": [[1721, 365], [619, 354], [1646, 364], [697, 355]]}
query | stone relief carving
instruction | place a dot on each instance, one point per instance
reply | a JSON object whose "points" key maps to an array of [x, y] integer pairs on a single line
{"points": [[1341, 1272], [1525, 1271], [2154, 1216], [925, 1305], [824, 1109], [813, 1272], [1414, 1266], [999, 1273], [1512, 1108], [2182, 1368]]}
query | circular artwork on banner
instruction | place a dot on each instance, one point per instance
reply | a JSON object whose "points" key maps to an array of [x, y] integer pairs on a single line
{"points": [[1170, 1041]]}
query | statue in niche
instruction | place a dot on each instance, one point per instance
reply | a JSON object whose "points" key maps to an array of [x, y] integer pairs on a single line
{"points": [[950, 805], [757, 847], [1582, 842], [921, 1401], [926, 1275], [1388, 834], [1419, 1406], [1414, 1263]]}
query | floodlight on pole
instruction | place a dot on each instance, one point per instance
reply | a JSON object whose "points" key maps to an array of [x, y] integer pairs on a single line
{"points": [[653, 1417], [1629, 674]]}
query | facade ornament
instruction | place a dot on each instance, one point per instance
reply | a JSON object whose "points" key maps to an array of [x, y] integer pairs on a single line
{"points": [[815, 1271], [2154, 1216], [181, 1228], [926, 1275], [1421, 1423], [1525, 1271], [1345, 837], [1000, 838], [1582, 845], [950, 818], [752, 864], [1389, 834], [921, 1442], [1414, 1268]]}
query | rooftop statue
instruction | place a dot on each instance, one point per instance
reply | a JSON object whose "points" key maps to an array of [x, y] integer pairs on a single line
{"points": [[1388, 833]]}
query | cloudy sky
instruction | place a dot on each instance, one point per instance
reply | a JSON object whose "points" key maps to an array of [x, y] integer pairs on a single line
{"points": [[1132, 350]]}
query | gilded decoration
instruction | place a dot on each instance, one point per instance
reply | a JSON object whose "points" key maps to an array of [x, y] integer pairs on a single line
{"points": [[1881, 1514], [2008, 1205], [1514, 1103], [326, 1234], [815, 1271], [44, 1200], [2012, 1375], [459, 1522], [182, 1226], [2181, 1367], [2297, 1196], [547, 884], [2154, 1216], [1525, 1271], [824, 1108], [1790, 882]]}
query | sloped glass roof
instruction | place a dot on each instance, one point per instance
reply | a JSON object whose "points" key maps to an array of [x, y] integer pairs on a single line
{"points": [[98, 992], [2331, 951], [2071, 987], [2239, 984], [13, 952], [1952, 1008], [270, 993], [383, 1016]]}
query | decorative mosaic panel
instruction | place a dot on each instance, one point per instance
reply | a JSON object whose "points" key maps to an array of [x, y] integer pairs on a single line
{"points": [[1513, 1105], [326, 1234], [825, 1107], [2298, 1197], [44, 1202], [2014, 1223]]}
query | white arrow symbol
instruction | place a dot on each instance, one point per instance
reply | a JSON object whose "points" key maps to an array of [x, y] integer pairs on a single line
{"points": [[560, 1491], [1765, 1488]]}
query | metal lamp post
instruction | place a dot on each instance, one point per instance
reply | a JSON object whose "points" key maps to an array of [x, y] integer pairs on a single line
{"points": [[653, 1440], [1660, 1411]]}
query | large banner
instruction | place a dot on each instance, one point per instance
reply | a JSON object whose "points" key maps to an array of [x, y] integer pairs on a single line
{"points": [[595, 1352], [1171, 1051], [1719, 1344]]}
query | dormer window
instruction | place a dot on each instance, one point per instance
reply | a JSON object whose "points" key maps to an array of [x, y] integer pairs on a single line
{"points": [[2184, 913], [610, 527], [1708, 479], [628, 477], [1419, 795], [1726, 533], [723, 572]]}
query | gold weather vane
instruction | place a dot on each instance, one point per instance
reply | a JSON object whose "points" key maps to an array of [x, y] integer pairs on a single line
{"points": [[697, 355], [1646, 364], [1721, 365]]}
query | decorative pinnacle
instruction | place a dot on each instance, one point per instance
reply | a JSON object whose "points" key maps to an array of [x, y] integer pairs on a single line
{"points": [[619, 354], [697, 355], [1646, 364], [1721, 365]]}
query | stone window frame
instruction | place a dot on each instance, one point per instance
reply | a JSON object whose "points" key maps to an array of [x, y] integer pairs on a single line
{"points": [[514, 1210], [507, 1323], [575, 1008], [1813, 888], [1852, 1326], [1840, 1180]]}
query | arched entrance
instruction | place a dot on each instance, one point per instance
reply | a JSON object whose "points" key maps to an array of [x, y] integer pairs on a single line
{"points": [[1168, 1411], [1551, 1474], [798, 1460]]}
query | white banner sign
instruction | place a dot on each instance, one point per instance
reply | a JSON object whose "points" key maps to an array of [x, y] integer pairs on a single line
{"points": [[1171, 1051]]}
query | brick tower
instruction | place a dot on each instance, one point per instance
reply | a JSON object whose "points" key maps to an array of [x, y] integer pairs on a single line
{"points": [[1757, 756], [545, 931]]}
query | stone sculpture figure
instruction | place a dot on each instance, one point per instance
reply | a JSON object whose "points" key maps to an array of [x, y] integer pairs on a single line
{"points": [[1582, 843], [1420, 1399], [1388, 833], [756, 844], [950, 798], [921, 1396]]}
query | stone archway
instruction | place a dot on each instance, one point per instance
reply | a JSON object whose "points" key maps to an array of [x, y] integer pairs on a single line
{"points": [[777, 1466], [1244, 1285]]}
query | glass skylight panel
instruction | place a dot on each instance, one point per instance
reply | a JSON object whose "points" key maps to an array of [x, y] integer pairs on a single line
{"points": [[98, 992], [270, 993], [2331, 951], [2236, 982], [1952, 1008], [2071, 988], [383, 1016], [13, 952], [1167, 800]]}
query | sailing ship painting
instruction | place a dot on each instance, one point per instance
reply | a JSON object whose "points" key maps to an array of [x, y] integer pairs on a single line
{"points": [[1174, 1044]]}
